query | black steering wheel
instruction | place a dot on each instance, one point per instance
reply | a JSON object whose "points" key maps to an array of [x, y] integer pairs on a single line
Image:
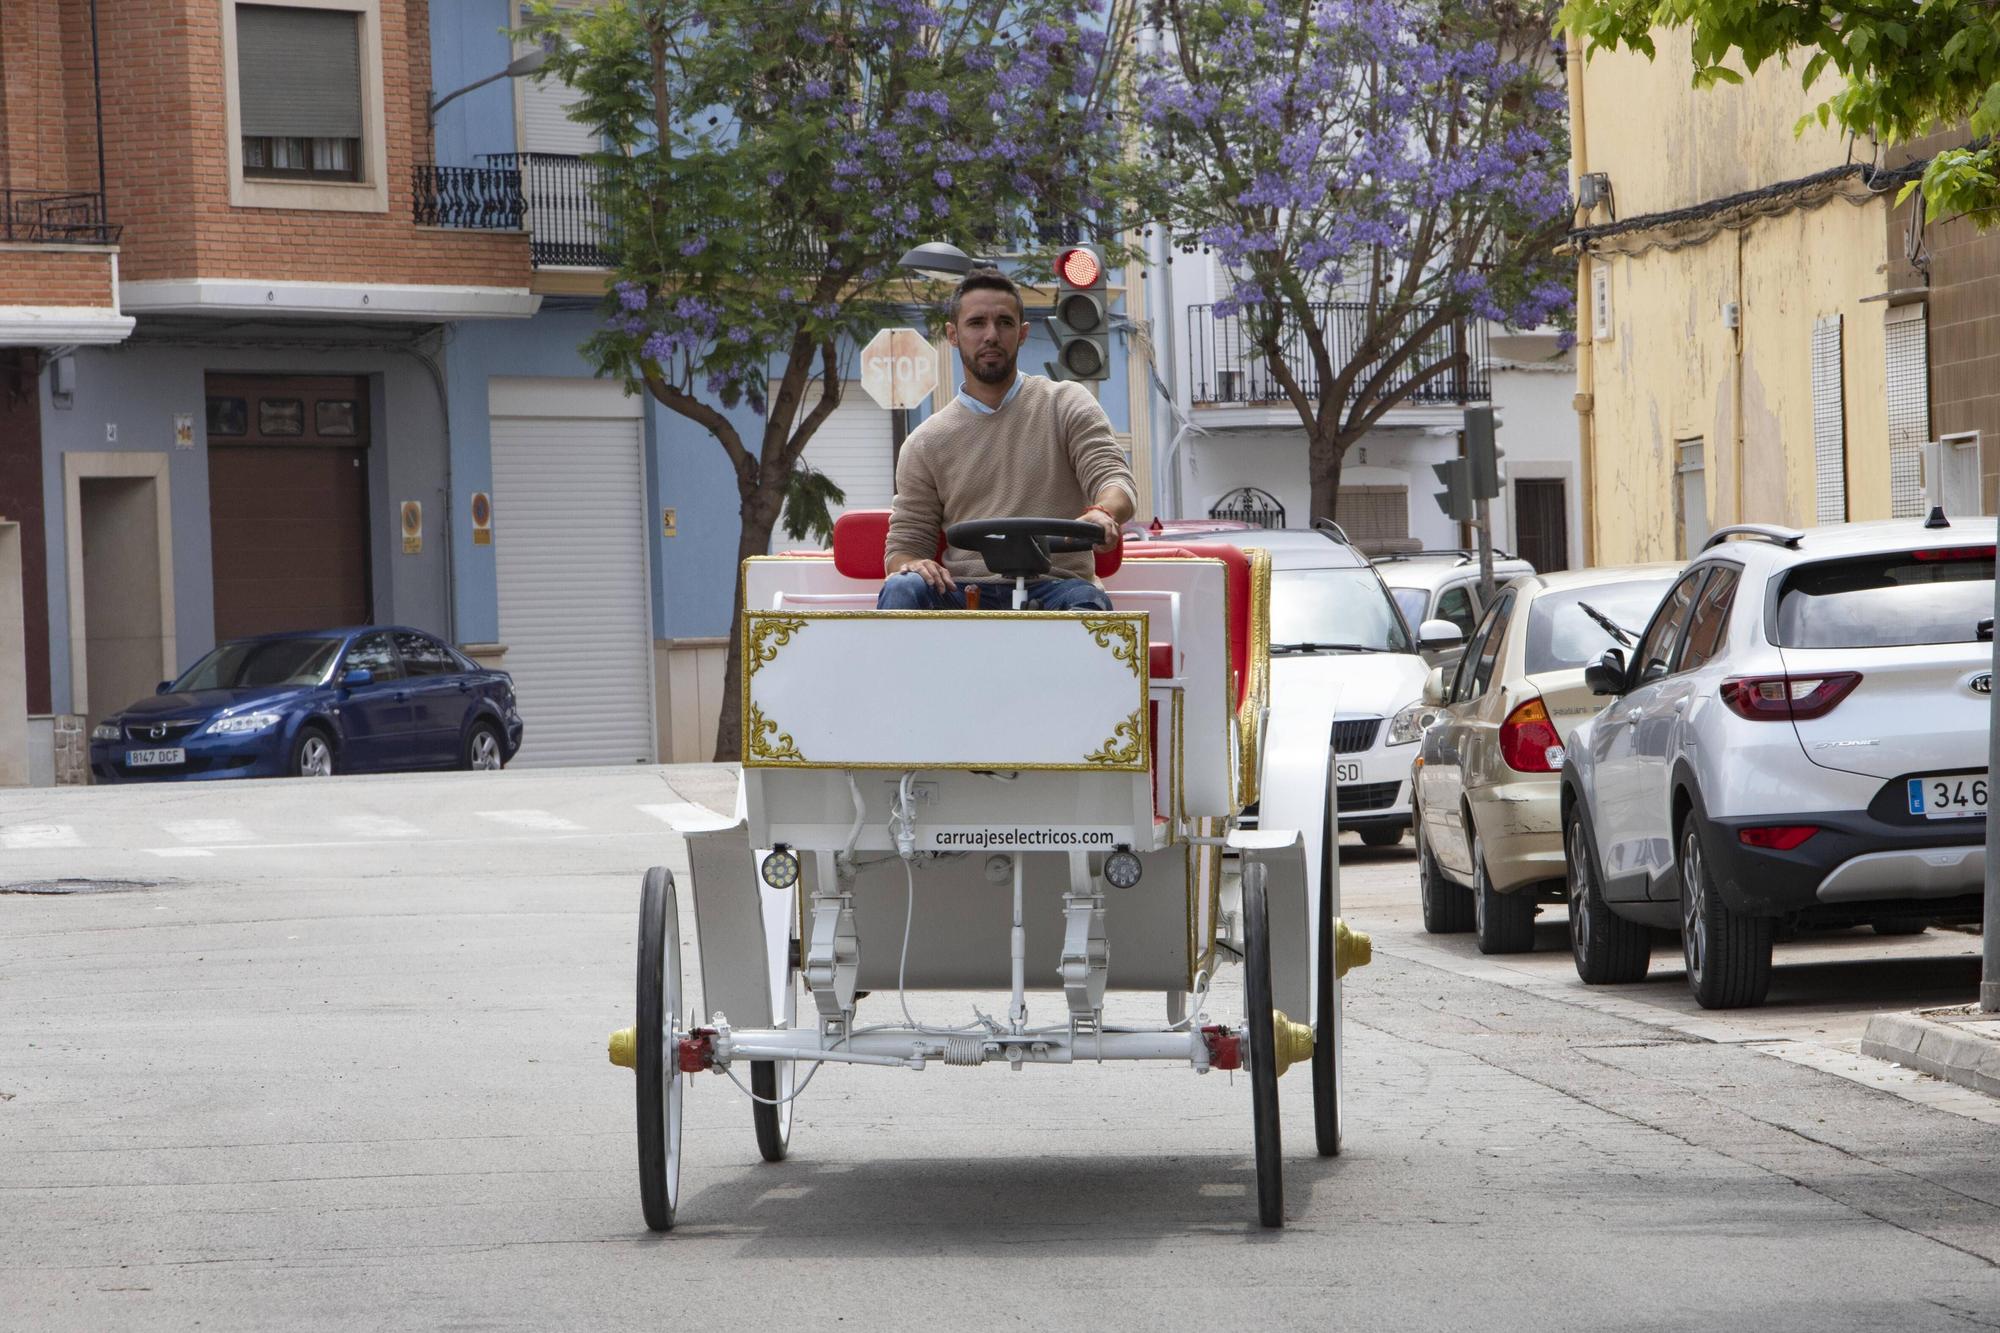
{"points": [[1020, 547]]}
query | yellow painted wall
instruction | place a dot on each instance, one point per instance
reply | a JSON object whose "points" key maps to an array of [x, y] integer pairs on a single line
{"points": [[1670, 369]]}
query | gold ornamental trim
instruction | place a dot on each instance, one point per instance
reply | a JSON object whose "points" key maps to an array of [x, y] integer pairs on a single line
{"points": [[1257, 698], [1124, 746], [779, 749], [767, 635], [1122, 638]]}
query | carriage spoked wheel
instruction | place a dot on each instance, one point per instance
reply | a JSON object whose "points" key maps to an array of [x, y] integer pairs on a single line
{"points": [[1257, 1017], [776, 1080], [658, 1064], [1326, 1053]]}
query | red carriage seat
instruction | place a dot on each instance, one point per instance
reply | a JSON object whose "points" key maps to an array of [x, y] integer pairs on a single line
{"points": [[1237, 567]]}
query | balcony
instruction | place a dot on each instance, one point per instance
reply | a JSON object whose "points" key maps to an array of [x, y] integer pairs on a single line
{"points": [[50, 217], [471, 198], [1229, 370], [561, 208]]}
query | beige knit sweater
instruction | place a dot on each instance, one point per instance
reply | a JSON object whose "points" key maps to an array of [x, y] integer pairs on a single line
{"points": [[1046, 454]]}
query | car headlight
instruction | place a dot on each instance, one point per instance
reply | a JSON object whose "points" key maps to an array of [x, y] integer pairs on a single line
{"points": [[1410, 721], [105, 731], [243, 724]]}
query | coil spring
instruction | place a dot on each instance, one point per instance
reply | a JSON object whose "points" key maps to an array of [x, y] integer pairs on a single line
{"points": [[965, 1049]]}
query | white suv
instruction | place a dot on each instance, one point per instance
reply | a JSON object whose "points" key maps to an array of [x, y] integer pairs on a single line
{"points": [[1334, 626], [1800, 733]]}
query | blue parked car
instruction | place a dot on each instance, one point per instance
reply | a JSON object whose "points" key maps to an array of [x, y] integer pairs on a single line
{"points": [[365, 700]]}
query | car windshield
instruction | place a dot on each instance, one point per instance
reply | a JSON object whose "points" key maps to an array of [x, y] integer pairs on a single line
{"points": [[1335, 608], [1563, 635], [1886, 601], [1413, 603], [260, 662]]}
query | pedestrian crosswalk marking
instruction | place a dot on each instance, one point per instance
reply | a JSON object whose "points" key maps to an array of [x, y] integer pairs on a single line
{"points": [[23, 836], [377, 826], [539, 820], [685, 817], [180, 851], [209, 830]]}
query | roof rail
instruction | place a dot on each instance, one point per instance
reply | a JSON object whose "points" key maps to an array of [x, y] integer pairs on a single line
{"points": [[1331, 529], [1464, 556], [1789, 538]]}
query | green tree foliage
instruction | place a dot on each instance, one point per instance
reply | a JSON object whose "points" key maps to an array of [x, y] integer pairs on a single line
{"points": [[765, 164], [1910, 69]]}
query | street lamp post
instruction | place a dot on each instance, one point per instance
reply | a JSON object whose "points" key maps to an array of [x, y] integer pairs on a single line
{"points": [[519, 67]]}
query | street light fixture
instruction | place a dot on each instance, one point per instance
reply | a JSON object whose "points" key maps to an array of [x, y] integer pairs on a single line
{"points": [[520, 67], [940, 259]]}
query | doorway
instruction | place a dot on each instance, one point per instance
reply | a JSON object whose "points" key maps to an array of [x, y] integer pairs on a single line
{"points": [[1541, 523], [121, 601]]}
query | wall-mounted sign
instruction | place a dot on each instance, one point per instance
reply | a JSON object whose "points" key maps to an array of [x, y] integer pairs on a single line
{"points": [[482, 519], [183, 430], [666, 522], [413, 527]]}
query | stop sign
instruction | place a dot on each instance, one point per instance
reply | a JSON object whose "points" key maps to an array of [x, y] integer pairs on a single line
{"points": [[898, 368]]}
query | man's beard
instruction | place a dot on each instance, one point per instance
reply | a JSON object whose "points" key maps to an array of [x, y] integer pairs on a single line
{"points": [[1000, 374]]}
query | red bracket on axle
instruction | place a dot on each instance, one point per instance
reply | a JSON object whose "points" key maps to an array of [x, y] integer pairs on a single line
{"points": [[697, 1051], [1225, 1048]]}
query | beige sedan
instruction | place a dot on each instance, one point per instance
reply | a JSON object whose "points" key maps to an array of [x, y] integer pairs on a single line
{"points": [[1488, 820]]}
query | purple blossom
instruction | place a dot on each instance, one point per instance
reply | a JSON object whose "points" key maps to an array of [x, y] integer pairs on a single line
{"points": [[631, 296]]}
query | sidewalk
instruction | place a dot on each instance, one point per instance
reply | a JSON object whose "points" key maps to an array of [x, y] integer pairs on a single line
{"points": [[1960, 1044]]}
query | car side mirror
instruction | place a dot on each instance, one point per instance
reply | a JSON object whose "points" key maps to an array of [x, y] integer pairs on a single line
{"points": [[1434, 688], [164, 687], [1607, 674], [1437, 635], [356, 677]]}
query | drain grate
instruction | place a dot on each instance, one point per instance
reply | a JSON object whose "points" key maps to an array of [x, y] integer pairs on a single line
{"points": [[49, 886]]}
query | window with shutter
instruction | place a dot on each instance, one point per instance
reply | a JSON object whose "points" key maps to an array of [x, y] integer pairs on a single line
{"points": [[298, 77], [1829, 423]]}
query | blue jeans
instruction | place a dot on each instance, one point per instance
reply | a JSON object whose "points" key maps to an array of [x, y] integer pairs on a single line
{"points": [[909, 592]]}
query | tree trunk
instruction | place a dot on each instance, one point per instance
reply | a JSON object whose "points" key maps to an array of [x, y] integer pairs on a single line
{"points": [[760, 516], [1326, 454]]}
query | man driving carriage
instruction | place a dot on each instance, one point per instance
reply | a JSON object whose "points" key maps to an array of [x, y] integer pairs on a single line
{"points": [[1008, 446]]}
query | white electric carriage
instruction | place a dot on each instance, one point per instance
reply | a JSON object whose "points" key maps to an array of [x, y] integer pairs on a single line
{"points": [[998, 801]]}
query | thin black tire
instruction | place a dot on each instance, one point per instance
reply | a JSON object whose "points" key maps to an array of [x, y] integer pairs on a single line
{"points": [[659, 1029], [1381, 835], [1448, 907], [775, 1081], [1728, 954], [1900, 926], [312, 754], [1326, 1036], [1608, 949], [1263, 1063], [483, 751], [1501, 922]]}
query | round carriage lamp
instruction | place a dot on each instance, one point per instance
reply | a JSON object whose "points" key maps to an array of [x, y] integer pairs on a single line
{"points": [[1123, 869], [781, 868]]}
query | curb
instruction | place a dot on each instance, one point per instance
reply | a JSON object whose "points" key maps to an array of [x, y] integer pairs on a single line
{"points": [[1966, 1052]]}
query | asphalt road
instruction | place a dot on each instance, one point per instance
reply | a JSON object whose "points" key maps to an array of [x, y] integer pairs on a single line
{"points": [[333, 1057]]}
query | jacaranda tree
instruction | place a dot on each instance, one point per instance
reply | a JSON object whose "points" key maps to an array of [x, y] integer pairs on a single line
{"points": [[765, 164], [1407, 156]]}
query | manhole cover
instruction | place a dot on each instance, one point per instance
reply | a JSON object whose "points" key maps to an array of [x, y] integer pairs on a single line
{"points": [[79, 886]]}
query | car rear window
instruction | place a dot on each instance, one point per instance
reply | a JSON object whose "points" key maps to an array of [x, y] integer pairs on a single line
{"points": [[1886, 601], [1563, 636]]}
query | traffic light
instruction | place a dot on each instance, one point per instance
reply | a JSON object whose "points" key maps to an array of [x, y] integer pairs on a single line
{"points": [[1456, 497], [1482, 452], [1081, 324]]}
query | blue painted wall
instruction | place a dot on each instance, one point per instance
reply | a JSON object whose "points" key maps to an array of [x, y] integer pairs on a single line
{"points": [[468, 43]]}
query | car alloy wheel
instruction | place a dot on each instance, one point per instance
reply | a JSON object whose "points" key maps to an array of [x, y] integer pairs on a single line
{"points": [[1579, 892], [485, 750], [1694, 907], [315, 757]]}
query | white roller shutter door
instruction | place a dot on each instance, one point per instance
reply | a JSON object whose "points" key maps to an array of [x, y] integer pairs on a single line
{"points": [[569, 521], [855, 447]]}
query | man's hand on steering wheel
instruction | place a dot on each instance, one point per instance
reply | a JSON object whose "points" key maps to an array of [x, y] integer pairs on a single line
{"points": [[1102, 517]]}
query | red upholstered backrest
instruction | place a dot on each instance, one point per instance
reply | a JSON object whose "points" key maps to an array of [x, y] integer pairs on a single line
{"points": [[861, 536], [1237, 565]]}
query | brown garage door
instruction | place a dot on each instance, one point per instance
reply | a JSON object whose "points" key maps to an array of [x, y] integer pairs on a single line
{"points": [[288, 502]]}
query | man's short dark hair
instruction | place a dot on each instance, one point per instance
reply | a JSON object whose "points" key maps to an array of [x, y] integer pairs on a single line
{"points": [[985, 279]]}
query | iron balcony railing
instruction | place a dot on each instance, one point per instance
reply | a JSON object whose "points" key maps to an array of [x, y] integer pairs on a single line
{"points": [[1230, 368], [69, 217], [562, 208], [481, 198]]}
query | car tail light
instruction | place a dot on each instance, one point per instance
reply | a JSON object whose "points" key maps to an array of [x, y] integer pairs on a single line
{"points": [[1528, 740], [1776, 837], [1788, 698]]}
